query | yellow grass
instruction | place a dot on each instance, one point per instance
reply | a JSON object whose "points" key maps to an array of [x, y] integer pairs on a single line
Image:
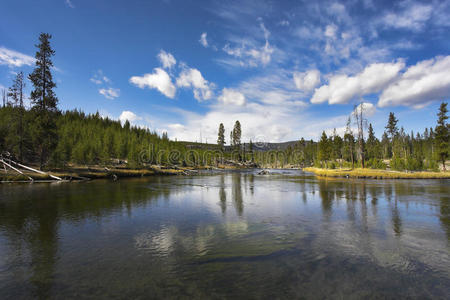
{"points": [[377, 174]]}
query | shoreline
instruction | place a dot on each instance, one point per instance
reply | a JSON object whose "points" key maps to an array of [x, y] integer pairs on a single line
{"points": [[86, 173], [376, 174], [91, 173], [77, 173]]}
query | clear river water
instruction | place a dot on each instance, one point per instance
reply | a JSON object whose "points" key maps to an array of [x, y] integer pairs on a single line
{"points": [[218, 235]]}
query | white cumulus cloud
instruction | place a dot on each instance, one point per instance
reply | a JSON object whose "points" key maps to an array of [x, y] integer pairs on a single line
{"points": [[13, 58], [192, 78], [427, 81], [167, 60], [129, 115], [231, 97], [342, 88], [203, 40], [110, 93], [308, 80], [159, 80]]}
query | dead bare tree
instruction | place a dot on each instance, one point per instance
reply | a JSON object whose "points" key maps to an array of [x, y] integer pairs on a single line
{"points": [[361, 123], [5, 97]]}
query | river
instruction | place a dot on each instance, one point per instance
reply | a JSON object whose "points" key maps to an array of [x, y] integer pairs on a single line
{"points": [[226, 235]]}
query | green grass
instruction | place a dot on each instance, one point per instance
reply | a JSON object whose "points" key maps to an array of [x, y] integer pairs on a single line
{"points": [[377, 174], [82, 172]]}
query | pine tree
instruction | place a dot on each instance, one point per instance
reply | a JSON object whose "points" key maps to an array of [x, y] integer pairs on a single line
{"points": [[15, 92], [237, 138], [43, 96], [250, 149], [371, 143], [442, 135], [237, 133], [221, 136], [324, 149], [392, 132], [337, 144], [44, 100], [391, 127]]}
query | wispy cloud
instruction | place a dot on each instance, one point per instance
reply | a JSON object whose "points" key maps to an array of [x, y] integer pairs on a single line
{"points": [[99, 78], [284, 23], [106, 90], [412, 16], [203, 40], [110, 93], [13, 58], [249, 53], [69, 3]]}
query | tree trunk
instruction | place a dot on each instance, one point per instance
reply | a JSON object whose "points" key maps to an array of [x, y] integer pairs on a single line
{"points": [[353, 161]]}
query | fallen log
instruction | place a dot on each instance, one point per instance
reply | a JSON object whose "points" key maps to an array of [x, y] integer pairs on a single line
{"points": [[37, 171], [17, 170]]}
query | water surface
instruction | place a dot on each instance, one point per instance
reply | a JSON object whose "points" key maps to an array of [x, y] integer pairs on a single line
{"points": [[226, 235]]}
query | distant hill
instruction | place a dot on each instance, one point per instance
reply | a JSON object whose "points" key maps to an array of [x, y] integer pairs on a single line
{"points": [[256, 146], [272, 146]]}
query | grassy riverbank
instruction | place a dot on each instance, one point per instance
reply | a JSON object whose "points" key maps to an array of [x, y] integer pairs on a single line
{"points": [[91, 172], [377, 174], [77, 172]]}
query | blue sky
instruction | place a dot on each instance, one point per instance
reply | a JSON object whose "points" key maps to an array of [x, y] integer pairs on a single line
{"points": [[285, 69]]}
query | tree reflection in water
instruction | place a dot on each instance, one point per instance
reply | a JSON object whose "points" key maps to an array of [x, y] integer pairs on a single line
{"points": [[237, 193], [223, 194], [348, 226]]}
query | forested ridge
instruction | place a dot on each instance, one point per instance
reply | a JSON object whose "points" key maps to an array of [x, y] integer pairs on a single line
{"points": [[90, 139]]}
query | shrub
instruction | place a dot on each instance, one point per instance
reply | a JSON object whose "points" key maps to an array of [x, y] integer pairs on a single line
{"points": [[346, 164], [414, 164], [431, 165], [375, 163], [398, 164]]}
